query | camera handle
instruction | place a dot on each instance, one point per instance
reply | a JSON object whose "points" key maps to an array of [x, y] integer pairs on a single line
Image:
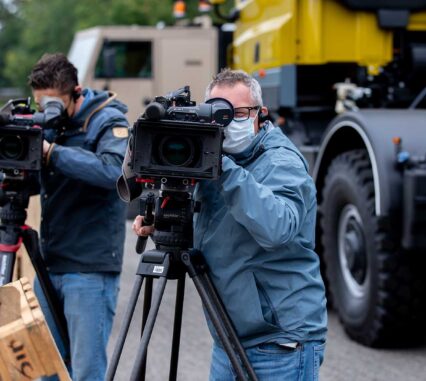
{"points": [[147, 221], [13, 233]]}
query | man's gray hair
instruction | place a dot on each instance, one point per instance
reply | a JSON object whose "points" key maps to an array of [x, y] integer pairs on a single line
{"points": [[228, 77]]}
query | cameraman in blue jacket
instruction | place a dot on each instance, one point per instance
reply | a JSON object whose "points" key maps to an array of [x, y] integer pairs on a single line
{"points": [[83, 221], [256, 231]]}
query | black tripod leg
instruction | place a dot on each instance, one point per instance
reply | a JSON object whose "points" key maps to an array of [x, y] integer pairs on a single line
{"points": [[30, 239], [180, 293], [215, 319], [211, 290], [137, 371], [146, 307], [112, 368], [196, 268], [7, 263]]}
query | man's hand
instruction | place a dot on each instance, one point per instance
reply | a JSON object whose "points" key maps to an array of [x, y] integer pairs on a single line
{"points": [[46, 147], [142, 231]]}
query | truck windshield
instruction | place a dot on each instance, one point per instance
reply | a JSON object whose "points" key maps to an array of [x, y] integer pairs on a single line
{"points": [[125, 59]]}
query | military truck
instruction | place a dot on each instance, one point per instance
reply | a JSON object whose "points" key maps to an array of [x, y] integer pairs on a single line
{"points": [[348, 77], [141, 62]]}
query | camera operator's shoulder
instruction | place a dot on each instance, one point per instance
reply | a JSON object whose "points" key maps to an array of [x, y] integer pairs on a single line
{"points": [[280, 150], [108, 118], [283, 161]]}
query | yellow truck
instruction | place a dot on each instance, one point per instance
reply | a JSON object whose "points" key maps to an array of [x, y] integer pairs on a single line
{"points": [[346, 80]]}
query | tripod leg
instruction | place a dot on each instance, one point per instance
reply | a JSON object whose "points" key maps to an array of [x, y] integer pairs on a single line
{"points": [[10, 241], [7, 263], [226, 342], [31, 243], [146, 307], [180, 292], [137, 374], [211, 290], [197, 271], [112, 368]]}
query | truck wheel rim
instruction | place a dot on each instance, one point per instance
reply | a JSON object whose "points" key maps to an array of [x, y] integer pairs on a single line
{"points": [[352, 253]]}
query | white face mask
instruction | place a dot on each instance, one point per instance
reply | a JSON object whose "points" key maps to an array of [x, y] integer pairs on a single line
{"points": [[239, 135]]}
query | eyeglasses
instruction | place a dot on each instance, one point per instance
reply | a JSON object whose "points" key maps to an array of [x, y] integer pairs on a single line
{"points": [[243, 113]]}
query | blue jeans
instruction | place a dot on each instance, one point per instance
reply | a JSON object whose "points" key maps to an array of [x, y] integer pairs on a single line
{"points": [[88, 301], [272, 362]]}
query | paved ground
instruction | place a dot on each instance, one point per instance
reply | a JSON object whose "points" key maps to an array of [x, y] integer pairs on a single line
{"points": [[345, 360]]}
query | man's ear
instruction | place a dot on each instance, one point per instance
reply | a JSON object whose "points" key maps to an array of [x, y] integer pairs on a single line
{"points": [[76, 93], [263, 115]]}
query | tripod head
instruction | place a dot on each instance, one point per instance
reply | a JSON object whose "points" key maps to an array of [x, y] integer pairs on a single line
{"points": [[14, 200], [15, 192], [171, 213]]}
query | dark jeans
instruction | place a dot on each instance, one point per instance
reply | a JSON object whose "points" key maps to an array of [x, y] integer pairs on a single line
{"points": [[89, 301]]}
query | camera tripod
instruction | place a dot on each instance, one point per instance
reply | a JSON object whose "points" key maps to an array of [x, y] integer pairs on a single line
{"points": [[172, 260], [13, 233]]}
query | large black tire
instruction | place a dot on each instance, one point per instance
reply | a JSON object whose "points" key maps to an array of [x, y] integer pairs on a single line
{"points": [[376, 288]]}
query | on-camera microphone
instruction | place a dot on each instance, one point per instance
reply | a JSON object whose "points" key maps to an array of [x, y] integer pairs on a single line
{"points": [[155, 111]]}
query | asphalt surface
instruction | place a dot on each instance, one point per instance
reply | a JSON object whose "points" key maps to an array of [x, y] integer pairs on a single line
{"points": [[344, 359]]}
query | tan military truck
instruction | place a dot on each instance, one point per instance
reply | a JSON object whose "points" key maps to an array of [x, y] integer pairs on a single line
{"points": [[140, 62]]}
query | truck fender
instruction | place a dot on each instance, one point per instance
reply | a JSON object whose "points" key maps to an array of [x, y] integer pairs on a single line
{"points": [[375, 130]]}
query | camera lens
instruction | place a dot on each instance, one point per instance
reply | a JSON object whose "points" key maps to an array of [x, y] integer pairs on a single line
{"points": [[12, 147], [176, 150]]}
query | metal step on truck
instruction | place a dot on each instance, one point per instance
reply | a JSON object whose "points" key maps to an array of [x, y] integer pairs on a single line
{"points": [[346, 79]]}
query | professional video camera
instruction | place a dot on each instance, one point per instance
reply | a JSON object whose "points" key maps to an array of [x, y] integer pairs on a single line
{"points": [[173, 143], [21, 135], [174, 138]]}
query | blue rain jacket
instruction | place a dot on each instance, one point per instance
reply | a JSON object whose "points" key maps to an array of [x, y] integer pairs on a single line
{"points": [[256, 231], [83, 219]]}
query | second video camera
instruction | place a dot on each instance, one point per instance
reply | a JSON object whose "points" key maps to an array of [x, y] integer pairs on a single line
{"points": [[21, 134], [177, 138]]}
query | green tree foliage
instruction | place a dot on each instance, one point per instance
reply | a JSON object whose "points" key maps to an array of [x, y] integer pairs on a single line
{"points": [[30, 28], [9, 31]]}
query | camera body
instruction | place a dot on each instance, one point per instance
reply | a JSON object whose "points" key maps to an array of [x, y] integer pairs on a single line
{"points": [[20, 147], [21, 134], [174, 138]]}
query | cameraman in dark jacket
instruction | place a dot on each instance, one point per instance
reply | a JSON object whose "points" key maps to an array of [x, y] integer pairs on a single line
{"points": [[83, 220]]}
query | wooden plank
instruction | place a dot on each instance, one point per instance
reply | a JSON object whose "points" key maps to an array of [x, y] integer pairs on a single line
{"points": [[27, 348]]}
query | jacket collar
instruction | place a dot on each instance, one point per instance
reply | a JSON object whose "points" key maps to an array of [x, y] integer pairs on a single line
{"points": [[93, 102]]}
